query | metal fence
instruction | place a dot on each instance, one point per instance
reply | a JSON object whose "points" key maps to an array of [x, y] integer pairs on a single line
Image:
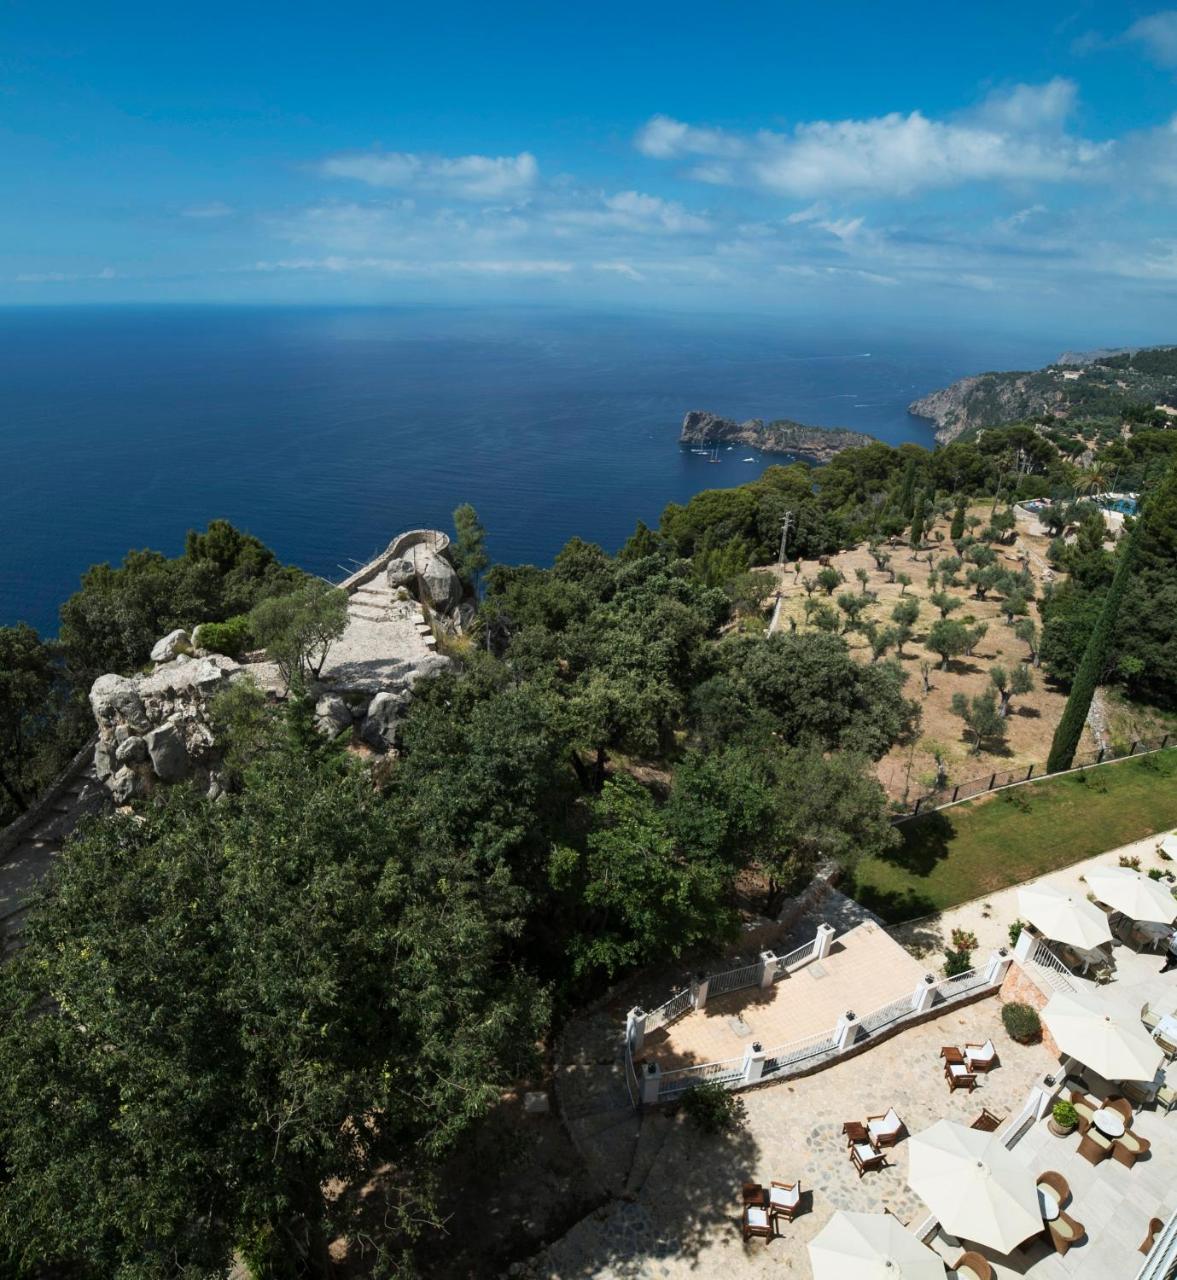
{"points": [[940, 797], [674, 1008], [734, 979]]}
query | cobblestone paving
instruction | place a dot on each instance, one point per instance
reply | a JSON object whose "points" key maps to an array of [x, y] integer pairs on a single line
{"points": [[683, 1218]]}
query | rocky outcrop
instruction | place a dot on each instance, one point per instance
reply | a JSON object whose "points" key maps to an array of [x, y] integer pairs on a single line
{"points": [[987, 400], [171, 646], [813, 444]]}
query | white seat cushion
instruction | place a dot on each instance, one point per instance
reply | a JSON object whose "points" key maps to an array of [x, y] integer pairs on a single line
{"points": [[983, 1054], [757, 1217], [889, 1124], [958, 1070], [865, 1151], [790, 1197]]}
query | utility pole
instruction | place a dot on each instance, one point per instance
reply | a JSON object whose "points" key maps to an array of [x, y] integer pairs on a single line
{"points": [[787, 524]]}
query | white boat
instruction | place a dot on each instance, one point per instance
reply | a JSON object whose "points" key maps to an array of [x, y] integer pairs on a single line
{"points": [[748, 459]]}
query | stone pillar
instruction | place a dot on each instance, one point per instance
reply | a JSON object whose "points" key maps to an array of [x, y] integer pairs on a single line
{"points": [[635, 1030], [699, 985], [998, 963], [822, 941], [651, 1083], [846, 1031], [1024, 947], [753, 1062], [921, 997], [767, 969]]}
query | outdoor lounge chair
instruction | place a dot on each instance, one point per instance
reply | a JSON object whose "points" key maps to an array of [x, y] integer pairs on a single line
{"points": [[980, 1057], [1166, 1097], [1122, 1107], [1064, 1232], [1128, 1149], [972, 1266], [988, 1121], [1147, 1016], [863, 1157], [885, 1130], [1154, 1225], [959, 1077], [1094, 1147], [757, 1223], [784, 1200]]}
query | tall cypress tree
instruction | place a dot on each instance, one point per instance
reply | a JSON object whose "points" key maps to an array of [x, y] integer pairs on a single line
{"points": [[956, 532], [1093, 663], [917, 521], [907, 493]]}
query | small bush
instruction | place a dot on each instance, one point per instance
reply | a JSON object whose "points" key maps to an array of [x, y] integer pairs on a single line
{"points": [[964, 940], [1015, 932], [1155, 873], [956, 962], [712, 1108], [1021, 1023], [1065, 1115], [1133, 862], [232, 637]]}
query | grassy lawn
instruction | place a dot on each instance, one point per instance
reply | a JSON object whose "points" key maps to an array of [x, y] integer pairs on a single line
{"points": [[1002, 839]]}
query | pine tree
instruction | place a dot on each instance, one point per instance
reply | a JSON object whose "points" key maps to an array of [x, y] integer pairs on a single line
{"points": [[1093, 663]]}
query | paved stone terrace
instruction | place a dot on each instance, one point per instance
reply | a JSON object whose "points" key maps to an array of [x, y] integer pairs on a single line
{"points": [[864, 970], [680, 1212]]}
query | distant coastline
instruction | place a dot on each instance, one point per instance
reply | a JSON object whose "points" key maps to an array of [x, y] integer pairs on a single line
{"points": [[796, 439]]}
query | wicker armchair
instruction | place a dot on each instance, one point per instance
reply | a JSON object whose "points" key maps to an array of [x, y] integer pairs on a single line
{"points": [[1058, 1188], [1128, 1149], [1064, 1232], [1155, 1224], [972, 1266], [1122, 1107], [1086, 1109], [1094, 1147]]}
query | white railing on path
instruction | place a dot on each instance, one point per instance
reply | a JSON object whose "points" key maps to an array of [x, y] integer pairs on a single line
{"points": [[879, 1018], [674, 1008], [747, 975], [1057, 973], [798, 956], [789, 1055], [1161, 1259]]}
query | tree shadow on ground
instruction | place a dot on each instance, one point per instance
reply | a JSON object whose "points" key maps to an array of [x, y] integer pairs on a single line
{"points": [[684, 1190], [1028, 713], [893, 906], [926, 843]]}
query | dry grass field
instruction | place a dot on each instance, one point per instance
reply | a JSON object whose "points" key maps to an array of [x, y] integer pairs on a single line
{"points": [[1033, 716]]}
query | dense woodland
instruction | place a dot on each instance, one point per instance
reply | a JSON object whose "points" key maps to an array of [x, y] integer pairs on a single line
{"points": [[221, 1007]]}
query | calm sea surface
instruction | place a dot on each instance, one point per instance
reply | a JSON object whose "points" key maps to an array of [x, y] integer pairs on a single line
{"points": [[326, 431]]}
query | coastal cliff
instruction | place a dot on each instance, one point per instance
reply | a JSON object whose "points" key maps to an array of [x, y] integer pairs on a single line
{"points": [[814, 444], [1079, 387]]}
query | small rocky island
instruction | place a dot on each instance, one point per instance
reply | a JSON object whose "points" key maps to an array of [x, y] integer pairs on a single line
{"points": [[813, 444]]}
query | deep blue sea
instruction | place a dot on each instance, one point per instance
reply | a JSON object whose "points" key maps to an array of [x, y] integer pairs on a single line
{"points": [[325, 431]]}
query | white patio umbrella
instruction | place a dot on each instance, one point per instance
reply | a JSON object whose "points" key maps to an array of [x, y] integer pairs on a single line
{"points": [[1066, 917], [1089, 1027], [974, 1186], [870, 1246], [1126, 890]]}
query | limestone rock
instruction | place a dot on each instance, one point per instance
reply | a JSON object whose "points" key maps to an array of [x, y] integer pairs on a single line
{"points": [[169, 756], [103, 759], [440, 586], [401, 573], [124, 785], [132, 750], [116, 697], [171, 646], [384, 713], [332, 715]]}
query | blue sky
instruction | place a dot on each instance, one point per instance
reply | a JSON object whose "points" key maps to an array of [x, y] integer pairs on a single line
{"points": [[1000, 162]]}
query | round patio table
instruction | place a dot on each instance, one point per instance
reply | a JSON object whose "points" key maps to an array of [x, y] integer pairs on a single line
{"points": [[1048, 1205], [1109, 1123]]}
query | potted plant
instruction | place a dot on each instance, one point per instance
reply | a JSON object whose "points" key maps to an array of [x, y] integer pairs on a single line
{"points": [[1063, 1119]]}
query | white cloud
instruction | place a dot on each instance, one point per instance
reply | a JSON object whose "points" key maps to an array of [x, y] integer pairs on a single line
{"points": [[64, 277], [620, 269], [337, 263], [1158, 34], [464, 177], [630, 211], [1020, 218], [1015, 135], [213, 209]]}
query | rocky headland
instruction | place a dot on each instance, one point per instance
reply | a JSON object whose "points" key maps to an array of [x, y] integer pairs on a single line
{"points": [[1079, 386], [813, 444]]}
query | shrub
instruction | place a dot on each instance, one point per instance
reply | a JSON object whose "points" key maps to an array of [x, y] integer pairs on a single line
{"points": [[1133, 862], [1065, 1115], [1015, 932], [956, 962], [712, 1108], [964, 940], [1021, 1023], [1155, 873], [231, 637]]}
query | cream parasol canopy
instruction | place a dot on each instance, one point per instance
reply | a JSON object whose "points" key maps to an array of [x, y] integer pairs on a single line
{"points": [[1089, 1027], [974, 1186], [870, 1246], [1065, 917], [1126, 890]]}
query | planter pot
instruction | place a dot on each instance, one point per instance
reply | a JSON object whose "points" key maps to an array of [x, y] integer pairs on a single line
{"points": [[1060, 1130]]}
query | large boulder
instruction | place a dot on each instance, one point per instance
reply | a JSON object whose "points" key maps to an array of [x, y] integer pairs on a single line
{"points": [[104, 758], [400, 573], [131, 750], [125, 785], [171, 646], [115, 698], [384, 715], [440, 586], [332, 716], [169, 757]]}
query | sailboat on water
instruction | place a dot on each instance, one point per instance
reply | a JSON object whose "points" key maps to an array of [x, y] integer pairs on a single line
{"points": [[714, 454]]}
